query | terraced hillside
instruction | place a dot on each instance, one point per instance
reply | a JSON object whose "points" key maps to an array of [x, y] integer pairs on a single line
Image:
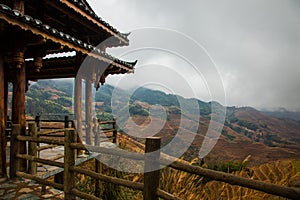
{"points": [[246, 131]]}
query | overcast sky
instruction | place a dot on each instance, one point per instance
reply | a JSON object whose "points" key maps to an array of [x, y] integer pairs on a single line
{"points": [[254, 45]]}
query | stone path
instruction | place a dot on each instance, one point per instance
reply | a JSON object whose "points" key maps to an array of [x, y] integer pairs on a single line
{"points": [[27, 190]]}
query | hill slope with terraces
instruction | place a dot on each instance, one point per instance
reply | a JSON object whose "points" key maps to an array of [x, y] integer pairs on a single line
{"points": [[246, 131]]}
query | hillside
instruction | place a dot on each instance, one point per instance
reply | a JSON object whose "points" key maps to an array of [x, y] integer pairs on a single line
{"points": [[247, 131]]}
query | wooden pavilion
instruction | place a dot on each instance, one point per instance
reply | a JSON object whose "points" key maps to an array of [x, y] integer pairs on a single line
{"points": [[33, 29]]}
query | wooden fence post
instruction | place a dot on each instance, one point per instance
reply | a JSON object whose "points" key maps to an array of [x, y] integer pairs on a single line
{"points": [[38, 122], [95, 130], [152, 172], [32, 149], [59, 178], [97, 182], [69, 163], [115, 132], [14, 150], [66, 121]]}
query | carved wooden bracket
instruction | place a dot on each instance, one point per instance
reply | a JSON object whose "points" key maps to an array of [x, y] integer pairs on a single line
{"points": [[15, 60], [38, 63]]}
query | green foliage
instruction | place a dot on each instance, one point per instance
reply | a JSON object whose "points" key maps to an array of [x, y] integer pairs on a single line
{"points": [[65, 100], [103, 116], [155, 97], [138, 110], [263, 125], [225, 134], [35, 106], [248, 125]]}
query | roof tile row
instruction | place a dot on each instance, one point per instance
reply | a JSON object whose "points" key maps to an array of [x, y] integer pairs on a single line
{"points": [[84, 8], [39, 24]]}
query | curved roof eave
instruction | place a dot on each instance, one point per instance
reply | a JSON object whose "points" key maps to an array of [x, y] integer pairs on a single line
{"points": [[36, 27], [86, 10]]}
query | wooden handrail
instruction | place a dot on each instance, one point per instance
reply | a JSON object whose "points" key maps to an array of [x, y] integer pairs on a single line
{"points": [[44, 133], [40, 160], [40, 180], [107, 122], [40, 140], [117, 181], [125, 154]]}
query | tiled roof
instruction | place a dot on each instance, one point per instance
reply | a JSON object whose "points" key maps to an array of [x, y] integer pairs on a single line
{"points": [[48, 29], [84, 6]]}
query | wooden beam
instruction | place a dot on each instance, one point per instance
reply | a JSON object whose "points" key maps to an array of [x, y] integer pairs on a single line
{"points": [[2, 121]]}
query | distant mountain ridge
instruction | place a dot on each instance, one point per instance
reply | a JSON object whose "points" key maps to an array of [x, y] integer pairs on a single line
{"points": [[283, 113], [246, 130]]}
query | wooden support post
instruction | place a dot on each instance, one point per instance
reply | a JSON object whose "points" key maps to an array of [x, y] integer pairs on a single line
{"points": [[69, 163], [88, 110], [78, 104], [5, 95], [14, 150], [32, 150], [115, 132], [2, 121], [152, 172], [78, 110], [19, 83], [18, 107]]}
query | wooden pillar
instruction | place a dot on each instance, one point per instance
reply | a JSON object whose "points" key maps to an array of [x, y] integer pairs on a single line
{"points": [[152, 174], [5, 95], [18, 107], [78, 110], [19, 84], [2, 121], [88, 110]]}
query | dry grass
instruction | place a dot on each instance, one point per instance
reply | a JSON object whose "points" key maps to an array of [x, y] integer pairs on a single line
{"points": [[189, 186]]}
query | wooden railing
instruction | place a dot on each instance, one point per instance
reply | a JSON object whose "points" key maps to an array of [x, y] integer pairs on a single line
{"points": [[150, 187]]}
